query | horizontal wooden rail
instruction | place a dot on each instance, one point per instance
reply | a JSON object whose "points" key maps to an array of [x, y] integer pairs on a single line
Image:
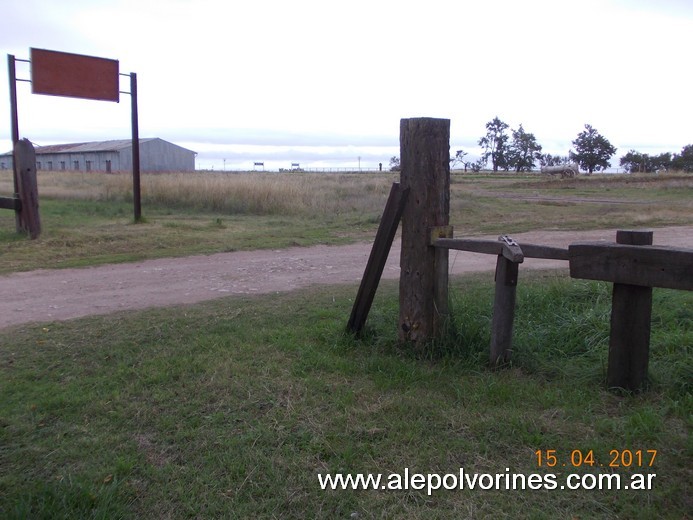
{"points": [[495, 247], [547, 252], [10, 203], [647, 266]]}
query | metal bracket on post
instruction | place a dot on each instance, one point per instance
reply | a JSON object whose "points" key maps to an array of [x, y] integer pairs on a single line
{"points": [[437, 232]]}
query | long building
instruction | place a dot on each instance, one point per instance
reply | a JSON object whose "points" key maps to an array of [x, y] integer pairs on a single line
{"points": [[156, 155]]}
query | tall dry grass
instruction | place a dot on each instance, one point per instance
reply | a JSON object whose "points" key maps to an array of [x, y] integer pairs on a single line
{"points": [[303, 194]]}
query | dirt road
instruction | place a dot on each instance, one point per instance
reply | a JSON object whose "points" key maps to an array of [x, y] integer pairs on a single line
{"points": [[61, 294]]}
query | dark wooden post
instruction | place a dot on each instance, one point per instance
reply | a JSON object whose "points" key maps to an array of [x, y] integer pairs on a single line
{"points": [[425, 163], [631, 312], [507, 272], [503, 311], [25, 170]]}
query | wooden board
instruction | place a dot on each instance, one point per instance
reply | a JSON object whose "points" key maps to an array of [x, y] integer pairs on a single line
{"points": [[647, 266], [376, 261], [10, 203]]}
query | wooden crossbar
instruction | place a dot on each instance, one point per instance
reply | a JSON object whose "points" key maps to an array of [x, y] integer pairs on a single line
{"points": [[494, 247], [10, 203], [646, 266]]}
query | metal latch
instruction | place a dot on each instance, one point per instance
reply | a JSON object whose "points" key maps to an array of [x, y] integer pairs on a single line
{"points": [[508, 240]]}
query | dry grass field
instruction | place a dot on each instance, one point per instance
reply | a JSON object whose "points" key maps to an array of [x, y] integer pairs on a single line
{"points": [[87, 217]]}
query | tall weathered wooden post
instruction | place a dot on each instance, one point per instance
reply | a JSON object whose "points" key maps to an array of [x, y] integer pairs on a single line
{"points": [[425, 163]]}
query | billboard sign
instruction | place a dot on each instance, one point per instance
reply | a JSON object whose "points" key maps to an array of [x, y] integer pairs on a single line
{"points": [[74, 75]]}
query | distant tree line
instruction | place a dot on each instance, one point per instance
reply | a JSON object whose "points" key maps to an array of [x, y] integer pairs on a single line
{"points": [[636, 162], [507, 149]]}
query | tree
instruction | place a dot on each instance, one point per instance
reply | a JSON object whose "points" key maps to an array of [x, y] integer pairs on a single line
{"points": [[684, 160], [459, 159], [394, 164], [477, 165], [523, 151], [635, 162], [593, 150], [495, 144], [546, 159]]}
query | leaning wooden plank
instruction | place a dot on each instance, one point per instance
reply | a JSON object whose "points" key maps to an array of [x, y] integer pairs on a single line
{"points": [[376, 262], [648, 266]]}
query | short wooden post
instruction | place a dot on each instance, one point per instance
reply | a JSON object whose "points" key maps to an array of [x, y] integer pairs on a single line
{"points": [[507, 273], [425, 163], [631, 312], [25, 168]]}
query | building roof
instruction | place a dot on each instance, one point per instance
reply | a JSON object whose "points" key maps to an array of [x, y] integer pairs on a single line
{"points": [[97, 146]]}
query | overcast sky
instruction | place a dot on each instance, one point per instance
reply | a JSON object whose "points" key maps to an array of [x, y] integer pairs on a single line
{"points": [[326, 82]]}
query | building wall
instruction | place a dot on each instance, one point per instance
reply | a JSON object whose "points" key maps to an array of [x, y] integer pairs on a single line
{"points": [[156, 155], [88, 161]]}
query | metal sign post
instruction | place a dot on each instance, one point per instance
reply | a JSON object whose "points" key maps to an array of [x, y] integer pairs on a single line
{"points": [[14, 123], [137, 201]]}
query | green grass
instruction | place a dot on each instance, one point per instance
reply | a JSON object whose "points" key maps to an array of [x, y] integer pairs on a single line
{"points": [[77, 233], [230, 409]]}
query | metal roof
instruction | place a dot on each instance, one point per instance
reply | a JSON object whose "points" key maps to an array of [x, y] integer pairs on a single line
{"points": [[97, 146]]}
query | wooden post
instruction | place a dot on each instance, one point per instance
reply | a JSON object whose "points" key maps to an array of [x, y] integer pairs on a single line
{"points": [[503, 311], [631, 312], [425, 163], [507, 272], [25, 170]]}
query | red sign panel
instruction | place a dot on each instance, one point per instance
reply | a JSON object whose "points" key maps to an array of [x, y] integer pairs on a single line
{"points": [[73, 75]]}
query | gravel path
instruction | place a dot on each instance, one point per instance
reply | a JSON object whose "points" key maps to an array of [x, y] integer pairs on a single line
{"points": [[61, 294]]}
